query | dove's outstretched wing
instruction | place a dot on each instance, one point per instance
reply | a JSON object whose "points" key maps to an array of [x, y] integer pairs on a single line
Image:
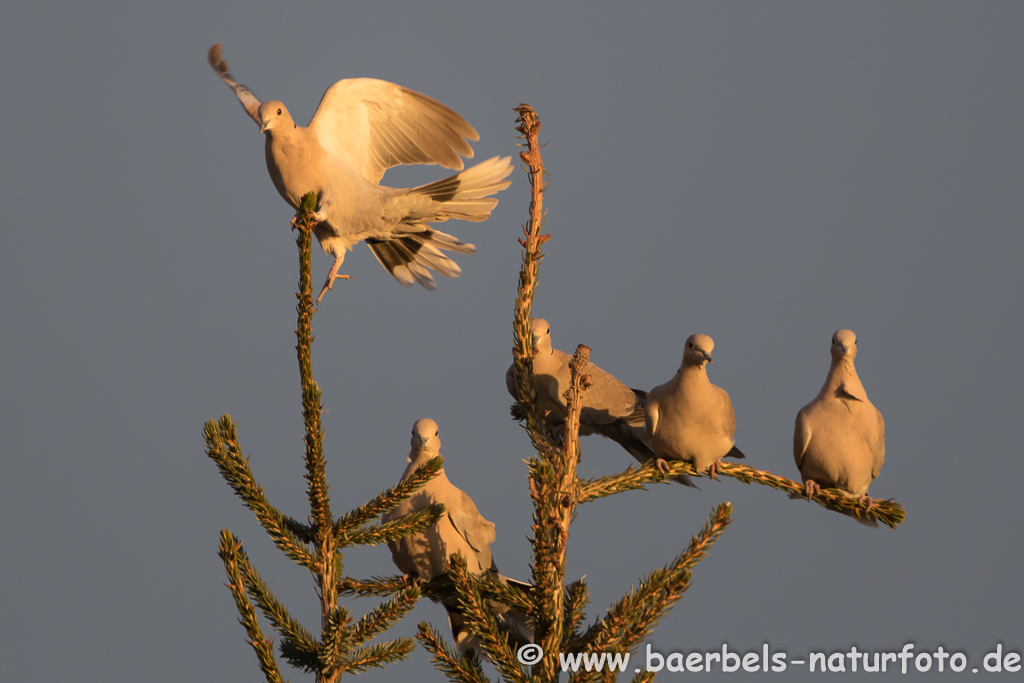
{"points": [[249, 101], [374, 125]]}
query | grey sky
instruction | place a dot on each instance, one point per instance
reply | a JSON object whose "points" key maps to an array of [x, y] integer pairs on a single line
{"points": [[761, 172]]}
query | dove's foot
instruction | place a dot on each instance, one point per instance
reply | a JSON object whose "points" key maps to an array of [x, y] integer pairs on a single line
{"points": [[871, 503], [713, 471], [811, 489], [329, 284], [661, 465], [318, 216]]}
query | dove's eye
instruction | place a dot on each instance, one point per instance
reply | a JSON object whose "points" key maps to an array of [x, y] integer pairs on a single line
{"points": [[435, 432], [547, 331], [278, 112], [689, 345]]}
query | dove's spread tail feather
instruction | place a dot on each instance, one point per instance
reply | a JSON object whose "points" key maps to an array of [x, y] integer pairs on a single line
{"points": [[414, 252], [409, 257], [465, 196]]}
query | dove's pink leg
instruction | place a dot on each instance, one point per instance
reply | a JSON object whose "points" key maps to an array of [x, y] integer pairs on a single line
{"points": [[329, 283], [713, 470]]}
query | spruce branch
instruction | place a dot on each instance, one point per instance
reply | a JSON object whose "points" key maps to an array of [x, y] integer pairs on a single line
{"points": [[393, 529], [296, 637], [553, 488], [632, 618], [381, 586], [577, 597], [456, 667], [629, 480], [316, 463], [439, 589], [889, 512], [579, 382], [328, 559], [388, 499], [222, 447], [514, 596], [363, 659], [522, 335], [381, 617], [230, 551], [481, 621], [316, 546], [337, 642]]}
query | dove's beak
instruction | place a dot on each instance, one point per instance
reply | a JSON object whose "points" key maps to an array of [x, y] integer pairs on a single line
{"points": [[707, 357], [263, 127]]}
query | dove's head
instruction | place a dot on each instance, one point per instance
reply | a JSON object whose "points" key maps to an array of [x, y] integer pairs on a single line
{"points": [[844, 345], [698, 350], [425, 436], [541, 336], [274, 116]]}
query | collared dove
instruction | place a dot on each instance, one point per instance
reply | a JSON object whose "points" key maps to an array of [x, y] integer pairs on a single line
{"points": [[462, 529], [610, 408], [839, 439], [362, 127], [688, 417]]}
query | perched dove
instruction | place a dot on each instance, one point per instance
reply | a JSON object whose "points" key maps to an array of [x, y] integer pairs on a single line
{"points": [[462, 529], [839, 440], [610, 408], [688, 417], [361, 128]]}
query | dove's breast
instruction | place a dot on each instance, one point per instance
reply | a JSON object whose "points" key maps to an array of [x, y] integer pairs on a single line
{"points": [[295, 168]]}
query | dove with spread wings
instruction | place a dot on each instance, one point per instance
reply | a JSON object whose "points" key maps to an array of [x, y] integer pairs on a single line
{"points": [[362, 127]]}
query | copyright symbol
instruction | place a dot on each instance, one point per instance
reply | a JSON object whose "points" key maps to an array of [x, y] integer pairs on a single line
{"points": [[530, 654]]}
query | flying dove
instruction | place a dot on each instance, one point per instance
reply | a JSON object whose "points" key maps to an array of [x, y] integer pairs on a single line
{"points": [[362, 127], [462, 529], [839, 440], [610, 408], [688, 417]]}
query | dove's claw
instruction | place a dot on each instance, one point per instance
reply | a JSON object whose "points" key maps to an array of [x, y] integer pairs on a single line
{"points": [[869, 501], [713, 470], [330, 284], [811, 489]]}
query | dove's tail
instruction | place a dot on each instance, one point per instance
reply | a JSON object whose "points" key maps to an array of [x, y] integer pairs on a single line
{"points": [[408, 257], [735, 453], [465, 196]]}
